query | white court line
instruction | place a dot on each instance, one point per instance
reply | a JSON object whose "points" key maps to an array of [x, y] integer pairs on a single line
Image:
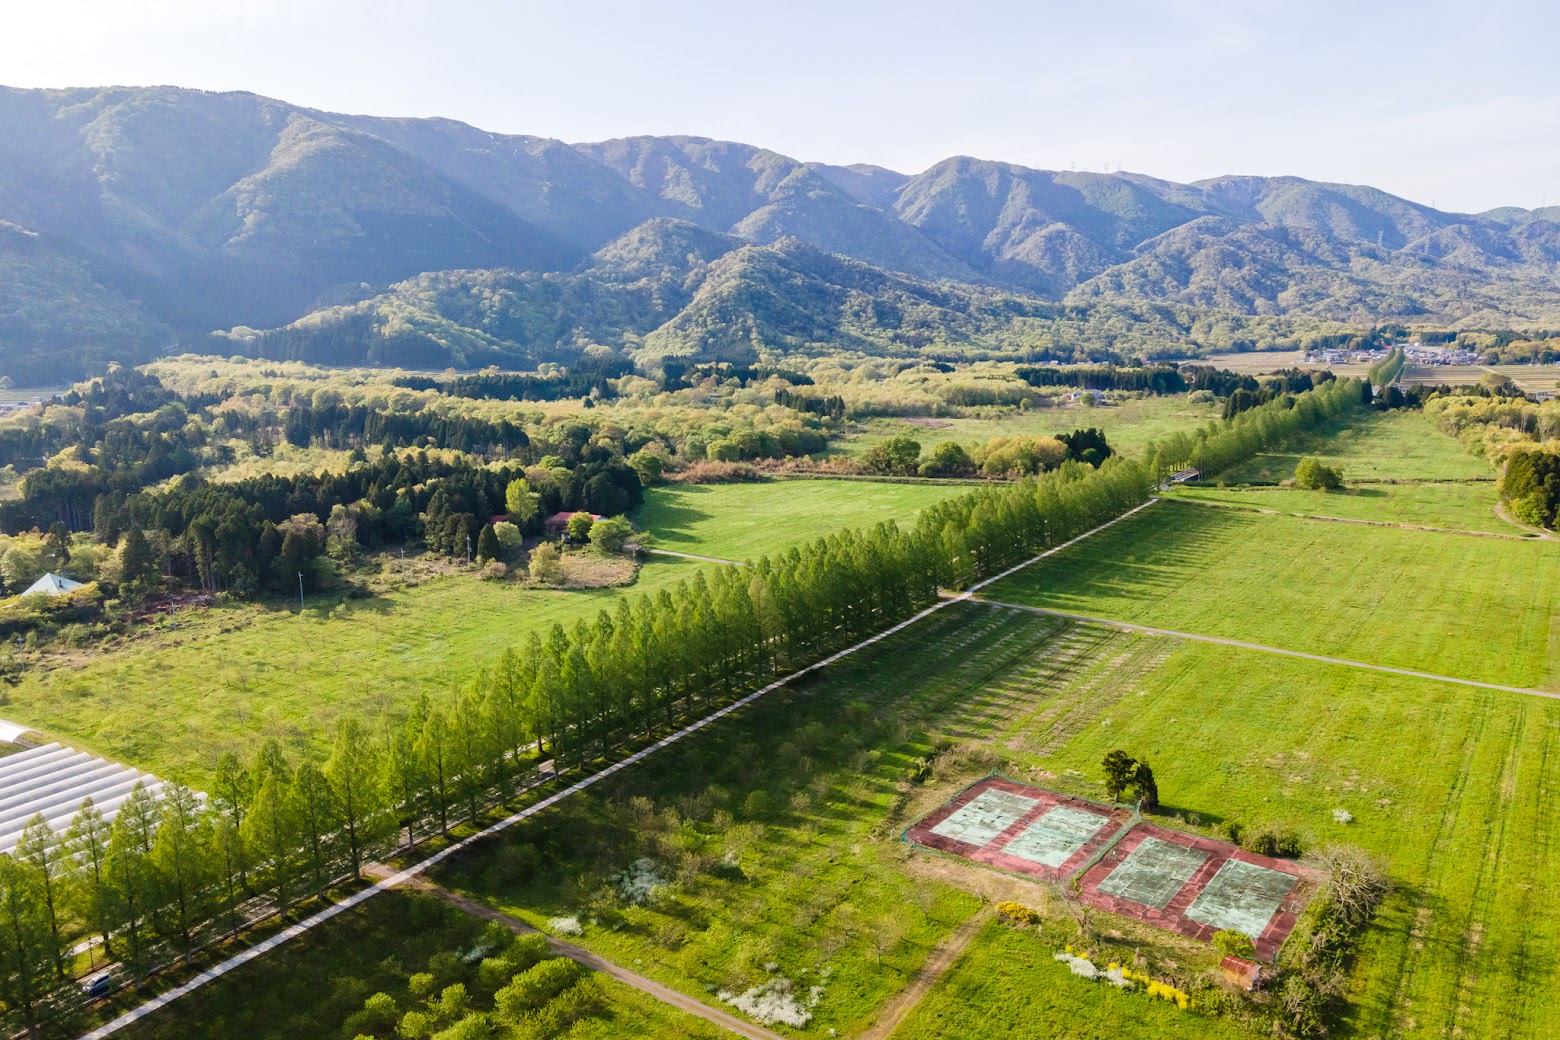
{"points": [[266, 946]]}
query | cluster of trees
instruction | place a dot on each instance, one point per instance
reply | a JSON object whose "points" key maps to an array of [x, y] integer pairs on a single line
{"points": [[551, 383], [1530, 485], [1154, 379], [830, 407], [1126, 775], [1017, 455], [1220, 446], [1315, 475], [509, 985]]}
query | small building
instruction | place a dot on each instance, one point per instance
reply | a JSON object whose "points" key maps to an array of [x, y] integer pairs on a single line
{"points": [[1185, 475], [560, 521], [52, 584], [1245, 974]]}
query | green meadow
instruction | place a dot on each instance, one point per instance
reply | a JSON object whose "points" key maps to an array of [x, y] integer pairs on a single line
{"points": [[1400, 445], [1455, 605], [1456, 506], [226, 677], [746, 521]]}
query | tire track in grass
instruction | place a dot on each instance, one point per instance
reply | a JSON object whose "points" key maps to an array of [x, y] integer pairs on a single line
{"points": [[422, 866]]}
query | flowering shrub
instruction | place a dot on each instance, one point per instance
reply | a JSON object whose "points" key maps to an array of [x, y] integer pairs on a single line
{"points": [[1017, 913]]}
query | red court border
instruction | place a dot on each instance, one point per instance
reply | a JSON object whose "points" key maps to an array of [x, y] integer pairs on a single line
{"points": [[991, 853], [1127, 835], [1173, 917]]}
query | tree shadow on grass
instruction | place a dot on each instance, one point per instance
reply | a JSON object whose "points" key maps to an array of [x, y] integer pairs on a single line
{"points": [[669, 519]]}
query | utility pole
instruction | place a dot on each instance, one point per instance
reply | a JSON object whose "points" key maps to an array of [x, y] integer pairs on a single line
{"points": [[300, 592], [468, 550]]}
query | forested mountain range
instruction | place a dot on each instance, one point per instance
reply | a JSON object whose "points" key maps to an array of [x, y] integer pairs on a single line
{"points": [[135, 221]]}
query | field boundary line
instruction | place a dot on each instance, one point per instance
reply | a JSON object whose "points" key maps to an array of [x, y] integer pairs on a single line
{"points": [[1170, 633], [1238, 507], [422, 866]]}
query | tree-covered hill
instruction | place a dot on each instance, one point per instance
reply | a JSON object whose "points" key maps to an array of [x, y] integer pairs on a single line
{"points": [[156, 215]]}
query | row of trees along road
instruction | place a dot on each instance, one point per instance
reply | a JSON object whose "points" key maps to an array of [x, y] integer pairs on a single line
{"points": [[1219, 446], [175, 872]]}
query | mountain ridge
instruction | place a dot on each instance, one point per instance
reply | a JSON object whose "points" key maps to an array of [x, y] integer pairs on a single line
{"points": [[179, 212]]}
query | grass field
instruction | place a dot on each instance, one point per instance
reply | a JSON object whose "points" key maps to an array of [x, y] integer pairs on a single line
{"points": [[1473, 608], [745, 521], [171, 700], [1463, 507], [1445, 783], [308, 988], [1128, 426], [1400, 445]]}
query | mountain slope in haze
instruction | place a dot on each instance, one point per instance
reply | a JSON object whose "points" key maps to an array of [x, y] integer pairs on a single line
{"points": [[164, 214]]}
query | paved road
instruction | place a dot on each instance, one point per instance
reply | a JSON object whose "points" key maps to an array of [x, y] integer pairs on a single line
{"points": [[585, 957], [1172, 634]]}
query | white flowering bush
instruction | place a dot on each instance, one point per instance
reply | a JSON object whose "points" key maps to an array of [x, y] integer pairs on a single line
{"points": [[774, 1002], [565, 926], [635, 884]]}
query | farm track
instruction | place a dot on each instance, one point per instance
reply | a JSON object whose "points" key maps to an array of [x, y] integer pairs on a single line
{"points": [[1127, 626], [691, 556], [1376, 523], [422, 866], [937, 964], [581, 956]]}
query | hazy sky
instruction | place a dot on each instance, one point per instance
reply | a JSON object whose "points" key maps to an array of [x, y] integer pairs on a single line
{"points": [[1454, 104]]}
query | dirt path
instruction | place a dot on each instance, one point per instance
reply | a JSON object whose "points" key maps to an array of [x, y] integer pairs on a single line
{"points": [[691, 556], [1126, 626], [1501, 511], [581, 956], [937, 963]]}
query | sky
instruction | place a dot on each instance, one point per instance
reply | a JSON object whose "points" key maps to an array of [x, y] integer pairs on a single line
{"points": [[1450, 104]]}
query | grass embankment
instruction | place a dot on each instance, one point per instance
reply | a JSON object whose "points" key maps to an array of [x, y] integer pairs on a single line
{"points": [[1392, 446], [1128, 426], [745, 521], [1455, 605]]}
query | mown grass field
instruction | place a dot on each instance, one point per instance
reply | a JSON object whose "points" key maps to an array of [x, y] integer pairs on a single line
{"points": [[1456, 605], [1448, 785], [1128, 426], [1400, 445], [1445, 783], [746, 521], [172, 699], [308, 988], [1462, 507]]}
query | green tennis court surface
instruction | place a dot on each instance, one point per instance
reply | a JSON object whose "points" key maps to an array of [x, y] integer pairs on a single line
{"points": [[987, 815], [1153, 873], [1054, 837], [1242, 897]]}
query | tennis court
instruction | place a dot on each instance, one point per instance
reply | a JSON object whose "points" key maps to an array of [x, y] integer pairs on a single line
{"points": [[1171, 879]]}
